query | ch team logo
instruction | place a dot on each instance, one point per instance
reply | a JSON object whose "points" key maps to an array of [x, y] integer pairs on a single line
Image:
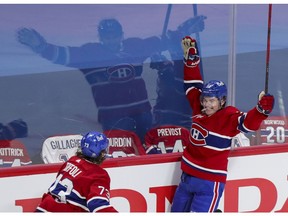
{"points": [[198, 135], [121, 73]]}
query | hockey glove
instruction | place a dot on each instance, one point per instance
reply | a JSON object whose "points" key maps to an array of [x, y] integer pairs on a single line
{"points": [[192, 25], [266, 103], [32, 39], [189, 47]]}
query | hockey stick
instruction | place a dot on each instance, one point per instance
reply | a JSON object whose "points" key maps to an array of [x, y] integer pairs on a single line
{"points": [[168, 12], [268, 48], [195, 11]]}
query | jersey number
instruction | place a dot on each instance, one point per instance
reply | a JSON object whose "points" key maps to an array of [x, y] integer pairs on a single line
{"points": [[61, 188], [280, 134], [178, 147]]}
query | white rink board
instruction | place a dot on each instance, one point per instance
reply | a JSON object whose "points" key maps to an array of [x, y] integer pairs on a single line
{"points": [[259, 177]]}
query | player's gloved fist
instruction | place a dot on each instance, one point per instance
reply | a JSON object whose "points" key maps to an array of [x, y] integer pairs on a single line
{"points": [[32, 39], [189, 46], [266, 103]]}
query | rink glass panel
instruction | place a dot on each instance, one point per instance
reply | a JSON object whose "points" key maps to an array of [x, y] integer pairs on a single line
{"points": [[55, 100]]}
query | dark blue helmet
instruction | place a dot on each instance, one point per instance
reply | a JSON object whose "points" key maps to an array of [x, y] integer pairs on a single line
{"points": [[93, 143], [109, 28], [214, 88]]}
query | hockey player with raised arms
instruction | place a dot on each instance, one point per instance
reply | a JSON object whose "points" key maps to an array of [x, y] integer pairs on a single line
{"points": [[81, 184], [113, 68], [205, 159]]}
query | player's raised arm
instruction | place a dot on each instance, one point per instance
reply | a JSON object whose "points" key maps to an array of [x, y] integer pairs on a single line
{"points": [[35, 41], [31, 38], [193, 82], [261, 111]]}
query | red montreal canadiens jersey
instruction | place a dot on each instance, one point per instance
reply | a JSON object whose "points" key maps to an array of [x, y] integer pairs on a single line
{"points": [[80, 186], [206, 156], [123, 144], [166, 139], [13, 153], [273, 130]]}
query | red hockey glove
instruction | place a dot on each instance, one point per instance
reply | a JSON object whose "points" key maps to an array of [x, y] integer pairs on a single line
{"points": [[189, 46], [266, 103]]}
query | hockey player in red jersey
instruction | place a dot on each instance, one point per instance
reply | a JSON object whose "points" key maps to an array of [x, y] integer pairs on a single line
{"points": [[81, 184], [205, 159]]}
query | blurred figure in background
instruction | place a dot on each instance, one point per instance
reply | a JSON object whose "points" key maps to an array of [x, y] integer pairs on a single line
{"points": [[171, 107], [113, 68]]}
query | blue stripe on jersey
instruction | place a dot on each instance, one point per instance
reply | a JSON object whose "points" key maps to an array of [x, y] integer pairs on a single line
{"points": [[97, 202], [203, 169], [218, 141], [196, 84], [241, 125], [74, 197]]}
